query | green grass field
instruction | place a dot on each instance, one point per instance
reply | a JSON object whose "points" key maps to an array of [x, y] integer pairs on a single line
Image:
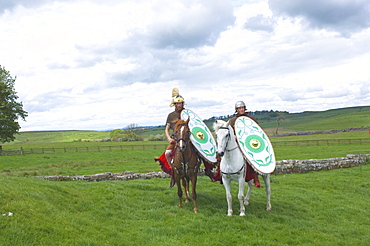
{"points": [[314, 208]]}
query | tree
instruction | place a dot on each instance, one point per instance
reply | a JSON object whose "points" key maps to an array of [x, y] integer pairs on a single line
{"points": [[132, 132], [117, 135], [127, 134], [279, 118], [10, 109]]}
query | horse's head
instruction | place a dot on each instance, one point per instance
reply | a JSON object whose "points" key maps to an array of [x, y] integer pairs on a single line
{"points": [[182, 134], [223, 133]]}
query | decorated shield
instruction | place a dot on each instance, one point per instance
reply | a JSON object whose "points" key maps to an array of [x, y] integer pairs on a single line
{"points": [[255, 145], [201, 137]]}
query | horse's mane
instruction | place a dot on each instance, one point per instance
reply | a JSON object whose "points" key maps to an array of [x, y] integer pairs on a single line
{"points": [[218, 124]]}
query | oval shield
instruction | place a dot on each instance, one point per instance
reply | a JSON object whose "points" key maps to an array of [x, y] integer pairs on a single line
{"points": [[201, 136], [255, 145]]}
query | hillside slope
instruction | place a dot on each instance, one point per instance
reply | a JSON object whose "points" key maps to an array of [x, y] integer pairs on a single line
{"points": [[315, 120], [291, 123]]}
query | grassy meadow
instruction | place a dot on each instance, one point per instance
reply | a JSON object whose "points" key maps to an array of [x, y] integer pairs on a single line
{"points": [[313, 208]]}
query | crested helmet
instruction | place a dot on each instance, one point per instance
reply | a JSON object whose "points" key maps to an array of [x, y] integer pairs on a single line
{"points": [[176, 97]]}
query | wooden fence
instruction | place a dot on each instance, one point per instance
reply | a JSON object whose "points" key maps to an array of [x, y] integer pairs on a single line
{"points": [[322, 142], [25, 151]]}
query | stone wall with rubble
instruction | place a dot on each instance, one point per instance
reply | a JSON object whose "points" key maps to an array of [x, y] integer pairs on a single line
{"points": [[282, 167]]}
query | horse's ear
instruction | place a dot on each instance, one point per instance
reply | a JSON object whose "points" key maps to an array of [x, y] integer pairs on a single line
{"points": [[215, 126], [187, 121]]}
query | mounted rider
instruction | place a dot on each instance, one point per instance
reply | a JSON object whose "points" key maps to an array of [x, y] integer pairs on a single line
{"points": [[178, 101], [240, 110], [166, 159]]}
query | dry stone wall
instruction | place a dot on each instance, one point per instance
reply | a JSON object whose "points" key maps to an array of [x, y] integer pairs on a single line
{"points": [[282, 167], [302, 166]]}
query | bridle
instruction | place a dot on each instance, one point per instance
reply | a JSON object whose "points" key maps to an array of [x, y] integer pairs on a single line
{"points": [[182, 138], [228, 136], [184, 162]]}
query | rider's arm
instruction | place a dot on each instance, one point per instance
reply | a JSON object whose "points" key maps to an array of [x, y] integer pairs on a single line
{"points": [[167, 131]]}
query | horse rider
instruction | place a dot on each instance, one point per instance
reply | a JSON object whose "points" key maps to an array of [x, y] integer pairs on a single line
{"points": [[178, 102], [240, 110]]}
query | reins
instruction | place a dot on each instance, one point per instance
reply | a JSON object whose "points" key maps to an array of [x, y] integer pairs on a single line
{"points": [[184, 162], [228, 137], [238, 172], [229, 150]]}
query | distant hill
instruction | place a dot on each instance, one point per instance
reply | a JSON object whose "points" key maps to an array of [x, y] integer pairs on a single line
{"points": [[343, 118]]}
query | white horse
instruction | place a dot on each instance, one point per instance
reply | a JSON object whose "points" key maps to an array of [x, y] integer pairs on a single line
{"points": [[266, 179], [233, 166]]}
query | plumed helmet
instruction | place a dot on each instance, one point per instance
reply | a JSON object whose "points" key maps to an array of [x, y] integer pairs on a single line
{"points": [[239, 104], [176, 97]]}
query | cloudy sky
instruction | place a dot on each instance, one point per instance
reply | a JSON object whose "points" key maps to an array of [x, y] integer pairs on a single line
{"points": [[90, 64]]}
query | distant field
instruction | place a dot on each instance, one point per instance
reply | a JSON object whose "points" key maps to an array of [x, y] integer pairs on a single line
{"points": [[59, 136], [297, 122], [323, 120], [87, 152]]}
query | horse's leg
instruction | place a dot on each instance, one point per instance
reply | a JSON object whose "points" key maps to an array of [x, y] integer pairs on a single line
{"points": [[226, 182], [179, 191], [248, 195], [241, 182], [266, 179], [185, 183], [194, 192]]}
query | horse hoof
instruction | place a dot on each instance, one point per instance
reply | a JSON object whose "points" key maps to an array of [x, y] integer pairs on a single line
{"points": [[242, 214], [268, 209]]}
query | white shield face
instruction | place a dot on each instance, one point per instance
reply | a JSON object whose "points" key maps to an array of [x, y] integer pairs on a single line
{"points": [[201, 137]]}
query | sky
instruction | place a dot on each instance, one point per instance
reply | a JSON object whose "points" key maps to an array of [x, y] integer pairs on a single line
{"points": [[100, 65]]}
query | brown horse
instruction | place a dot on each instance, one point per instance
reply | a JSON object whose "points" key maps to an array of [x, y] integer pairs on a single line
{"points": [[185, 162]]}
